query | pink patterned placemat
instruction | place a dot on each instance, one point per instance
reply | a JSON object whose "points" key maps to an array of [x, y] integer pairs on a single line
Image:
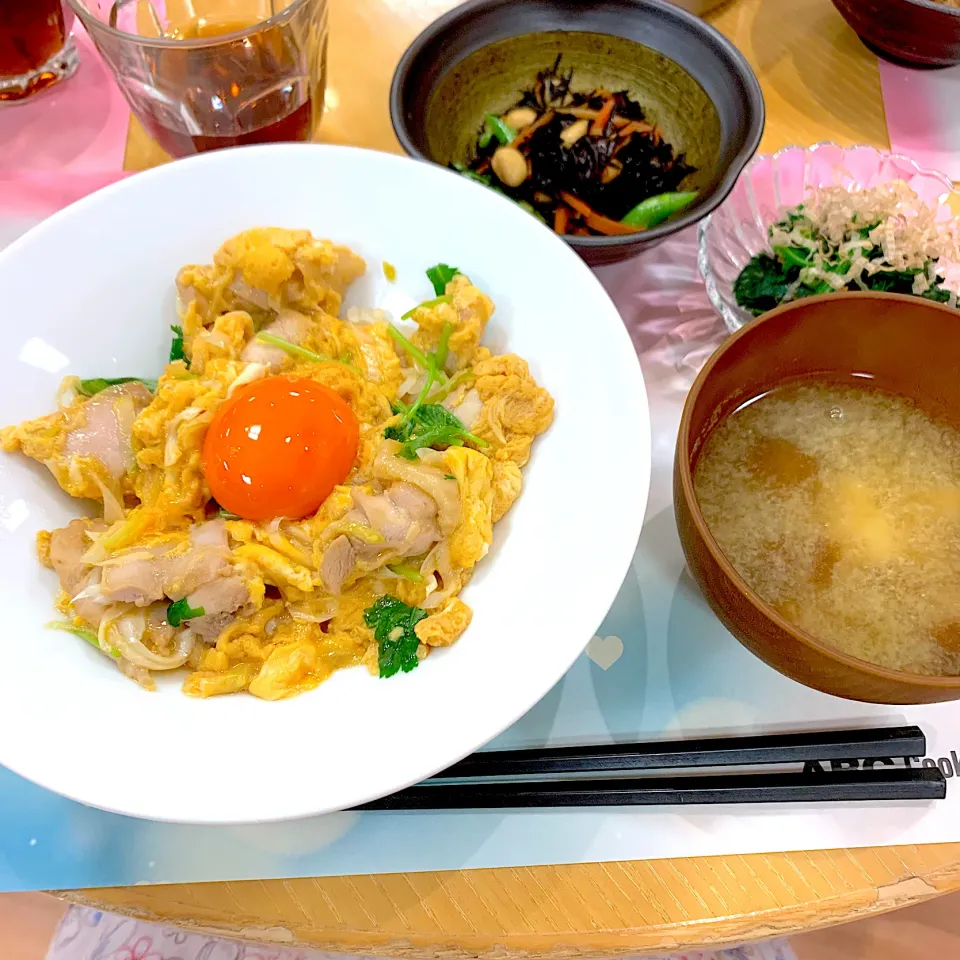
{"points": [[923, 115], [64, 143]]}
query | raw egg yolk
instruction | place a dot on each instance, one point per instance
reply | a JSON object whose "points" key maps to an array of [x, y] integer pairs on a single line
{"points": [[278, 447]]}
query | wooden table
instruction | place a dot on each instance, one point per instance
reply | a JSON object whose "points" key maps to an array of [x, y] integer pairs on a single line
{"points": [[819, 84]]}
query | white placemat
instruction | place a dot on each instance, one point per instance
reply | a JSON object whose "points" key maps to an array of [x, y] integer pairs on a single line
{"points": [[662, 666]]}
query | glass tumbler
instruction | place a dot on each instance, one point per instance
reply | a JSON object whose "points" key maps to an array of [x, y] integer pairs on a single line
{"points": [[205, 74], [36, 49]]}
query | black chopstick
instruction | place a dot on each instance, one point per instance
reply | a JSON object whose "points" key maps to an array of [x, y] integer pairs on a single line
{"points": [[907, 783], [495, 779], [869, 744]]}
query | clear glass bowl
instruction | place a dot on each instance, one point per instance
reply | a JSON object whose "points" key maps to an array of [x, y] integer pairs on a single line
{"points": [[738, 229]]}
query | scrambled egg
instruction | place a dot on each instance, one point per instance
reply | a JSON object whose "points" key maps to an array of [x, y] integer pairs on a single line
{"points": [[166, 580]]}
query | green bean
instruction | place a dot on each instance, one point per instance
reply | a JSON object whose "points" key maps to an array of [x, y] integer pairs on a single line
{"points": [[495, 127], [656, 209]]}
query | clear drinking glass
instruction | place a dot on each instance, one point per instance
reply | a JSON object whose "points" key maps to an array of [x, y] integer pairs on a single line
{"points": [[36, 49], [205, 74]]}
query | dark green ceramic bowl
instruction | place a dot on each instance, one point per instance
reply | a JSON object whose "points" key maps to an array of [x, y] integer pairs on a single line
{"points": [[692, 82]]}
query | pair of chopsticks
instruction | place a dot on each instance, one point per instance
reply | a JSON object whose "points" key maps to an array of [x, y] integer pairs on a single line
{"points": [[579, 776]]}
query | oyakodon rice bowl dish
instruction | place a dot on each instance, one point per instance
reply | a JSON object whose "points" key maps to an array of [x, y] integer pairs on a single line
{"points": [[296, 492]]}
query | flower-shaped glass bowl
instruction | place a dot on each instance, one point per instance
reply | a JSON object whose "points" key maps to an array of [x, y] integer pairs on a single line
{"points": [[771, 183]]}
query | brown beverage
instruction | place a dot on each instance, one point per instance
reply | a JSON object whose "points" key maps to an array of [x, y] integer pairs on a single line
{"points": [[256, 91], [31, 32]]}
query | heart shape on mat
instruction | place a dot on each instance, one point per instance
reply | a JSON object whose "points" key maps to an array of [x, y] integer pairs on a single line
{"points": [[605, 651]]}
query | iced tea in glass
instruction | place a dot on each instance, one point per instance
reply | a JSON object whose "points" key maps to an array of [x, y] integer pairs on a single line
{"points": [[205, 74], [36, 49]]}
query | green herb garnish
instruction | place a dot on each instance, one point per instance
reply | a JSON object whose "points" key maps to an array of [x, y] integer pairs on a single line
{"points": [[176, 347], [295, 350], [440, 276], [227, 515], [430, 425], [90, 387], [180, 610], [435, 302], [392, 622]]}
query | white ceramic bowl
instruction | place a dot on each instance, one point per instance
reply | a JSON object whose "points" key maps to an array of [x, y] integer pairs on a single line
{"points": [[91, 291], [737, 230]]}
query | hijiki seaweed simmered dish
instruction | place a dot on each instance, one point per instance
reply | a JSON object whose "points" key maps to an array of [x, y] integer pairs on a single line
{"points": [[883, 238], [297, 492], [586, 163]]}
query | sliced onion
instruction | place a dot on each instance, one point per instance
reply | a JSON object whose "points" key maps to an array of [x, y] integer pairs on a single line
{"points": [[125, 633], [438, 562], [126, 412], [251, 372], [430, 480], [408, 387], [468, 409], [91, 591], [113, 509], [309, 616], [67, 392]]}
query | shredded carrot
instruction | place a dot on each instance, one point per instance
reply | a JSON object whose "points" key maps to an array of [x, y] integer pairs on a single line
{"points": [[597, 221], [634, 126], [600, 120], [561, 217], [581, 113], [530, 130]]}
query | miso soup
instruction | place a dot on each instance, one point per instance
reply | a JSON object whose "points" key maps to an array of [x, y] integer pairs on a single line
{"points": [[840, 506]]}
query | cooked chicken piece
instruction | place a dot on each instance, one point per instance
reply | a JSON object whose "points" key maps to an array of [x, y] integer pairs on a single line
{"points": [[219, 599], [250, 295], [106, 434], [289, 325], [337, 564], [134, 578], [404, 517], [88, 444], [223, 595], [144, 576], [66, 550]]}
